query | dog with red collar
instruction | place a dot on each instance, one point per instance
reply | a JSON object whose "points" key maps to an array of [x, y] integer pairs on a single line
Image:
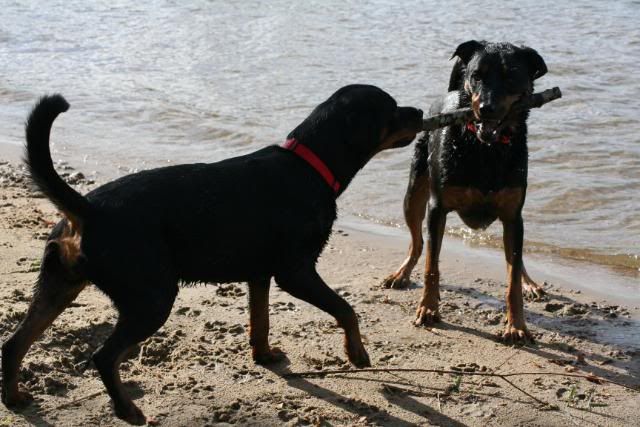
{"points": [[477, 169], [264, 215]]}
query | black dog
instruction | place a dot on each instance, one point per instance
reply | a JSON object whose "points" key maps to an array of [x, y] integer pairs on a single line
{"points": [[478, 170], [250, 218]]}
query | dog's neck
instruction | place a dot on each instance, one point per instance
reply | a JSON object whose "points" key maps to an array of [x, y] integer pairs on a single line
{"points": [[314, 161], [336, 169]]}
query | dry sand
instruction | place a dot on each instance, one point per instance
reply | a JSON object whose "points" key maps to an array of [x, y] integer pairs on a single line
{"points": [[197, 369]]}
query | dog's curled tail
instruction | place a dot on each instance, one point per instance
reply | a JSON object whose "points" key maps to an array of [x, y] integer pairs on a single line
{"points": [[38, 159]]}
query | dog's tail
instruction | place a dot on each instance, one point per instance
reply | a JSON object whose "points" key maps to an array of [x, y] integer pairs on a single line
{"points": [[38, 159]]}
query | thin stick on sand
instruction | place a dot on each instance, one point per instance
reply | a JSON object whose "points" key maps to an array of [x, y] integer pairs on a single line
{"points": [[464, 115], [589, 377]]}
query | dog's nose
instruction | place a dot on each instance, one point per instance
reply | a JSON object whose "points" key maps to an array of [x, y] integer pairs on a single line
{"points": [[486, 109]]}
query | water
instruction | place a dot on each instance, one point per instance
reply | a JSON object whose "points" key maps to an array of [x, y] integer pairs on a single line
{"points": [[165, 82]]}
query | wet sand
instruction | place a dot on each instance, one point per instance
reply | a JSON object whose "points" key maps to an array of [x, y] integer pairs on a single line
{"points": [[197, 369]]}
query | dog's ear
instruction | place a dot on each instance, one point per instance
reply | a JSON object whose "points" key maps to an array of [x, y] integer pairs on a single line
{"points": [[457, 76], [466, 50], [537, 67]]}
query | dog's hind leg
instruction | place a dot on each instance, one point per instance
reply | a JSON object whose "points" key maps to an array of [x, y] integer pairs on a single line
{"points": [[530, 289], [308, 286], [415, 206], [142, 311], [259, 324], [55, 289]]}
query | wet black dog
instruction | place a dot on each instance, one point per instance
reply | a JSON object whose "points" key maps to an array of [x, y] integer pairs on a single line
{"points": [[478, 170], [251, 218]]}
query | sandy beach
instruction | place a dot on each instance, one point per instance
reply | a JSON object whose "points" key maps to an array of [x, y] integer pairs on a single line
{"points": [[197, 369]]}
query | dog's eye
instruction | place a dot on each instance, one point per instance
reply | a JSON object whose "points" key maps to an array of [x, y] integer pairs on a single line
{"points": [[475, 76]]}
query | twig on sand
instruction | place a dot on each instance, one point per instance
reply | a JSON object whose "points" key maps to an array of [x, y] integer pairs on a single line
{"points": [[543, 403], [78, 400], [589, 377]]}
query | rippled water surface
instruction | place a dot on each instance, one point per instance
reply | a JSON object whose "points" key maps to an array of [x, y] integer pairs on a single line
{"points": [[160, 82]]}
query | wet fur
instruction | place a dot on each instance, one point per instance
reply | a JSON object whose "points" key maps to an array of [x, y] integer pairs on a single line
{"points": [[251, 218], [453, 170]]}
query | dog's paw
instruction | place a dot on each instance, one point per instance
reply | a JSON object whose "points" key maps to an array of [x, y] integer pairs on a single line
{"points": [[517, 335], [18, 399], [427, 316], [358, 356], [130, 413], [396, 281], [274, 355]]}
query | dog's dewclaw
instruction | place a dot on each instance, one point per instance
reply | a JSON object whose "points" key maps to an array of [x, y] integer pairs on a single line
{"points": [[464, 115]]}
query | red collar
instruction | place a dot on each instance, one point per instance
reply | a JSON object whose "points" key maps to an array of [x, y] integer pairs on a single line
{"points": [[504, 139], [310, 157]]}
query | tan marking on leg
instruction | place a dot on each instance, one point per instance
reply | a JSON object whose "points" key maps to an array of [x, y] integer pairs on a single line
{"points": [[414, 211], [427, 312], [50, 299], [261, 352], [516, 330]]}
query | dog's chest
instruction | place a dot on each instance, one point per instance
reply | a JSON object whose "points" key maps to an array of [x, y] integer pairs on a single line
{"points": [[477, 209], [467, 162]]}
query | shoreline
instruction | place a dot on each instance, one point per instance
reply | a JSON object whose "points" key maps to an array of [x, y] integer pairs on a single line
{"points": [[621, 276], [197, 369], [489, 261]]}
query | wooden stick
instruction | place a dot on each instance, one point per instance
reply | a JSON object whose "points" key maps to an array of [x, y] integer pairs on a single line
{"points": [[540, 402], [76, 401], [320, 373], [464, 115]]}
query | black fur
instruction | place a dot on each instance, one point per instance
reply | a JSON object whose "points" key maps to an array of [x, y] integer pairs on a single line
{"points": [[264, 215], [478, 170], [454, 155], [38, 157]]}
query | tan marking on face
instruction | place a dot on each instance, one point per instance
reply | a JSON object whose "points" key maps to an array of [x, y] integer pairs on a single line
{"points": [[384, 133], [475, 105], [508, 101]]}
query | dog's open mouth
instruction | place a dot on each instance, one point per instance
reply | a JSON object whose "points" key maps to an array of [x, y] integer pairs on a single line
{"points": [[488, 131]]}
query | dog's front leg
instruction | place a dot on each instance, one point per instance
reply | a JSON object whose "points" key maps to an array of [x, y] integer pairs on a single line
{"points": [[513, 235], [307, 285], [259, 324], [427, 312]]}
